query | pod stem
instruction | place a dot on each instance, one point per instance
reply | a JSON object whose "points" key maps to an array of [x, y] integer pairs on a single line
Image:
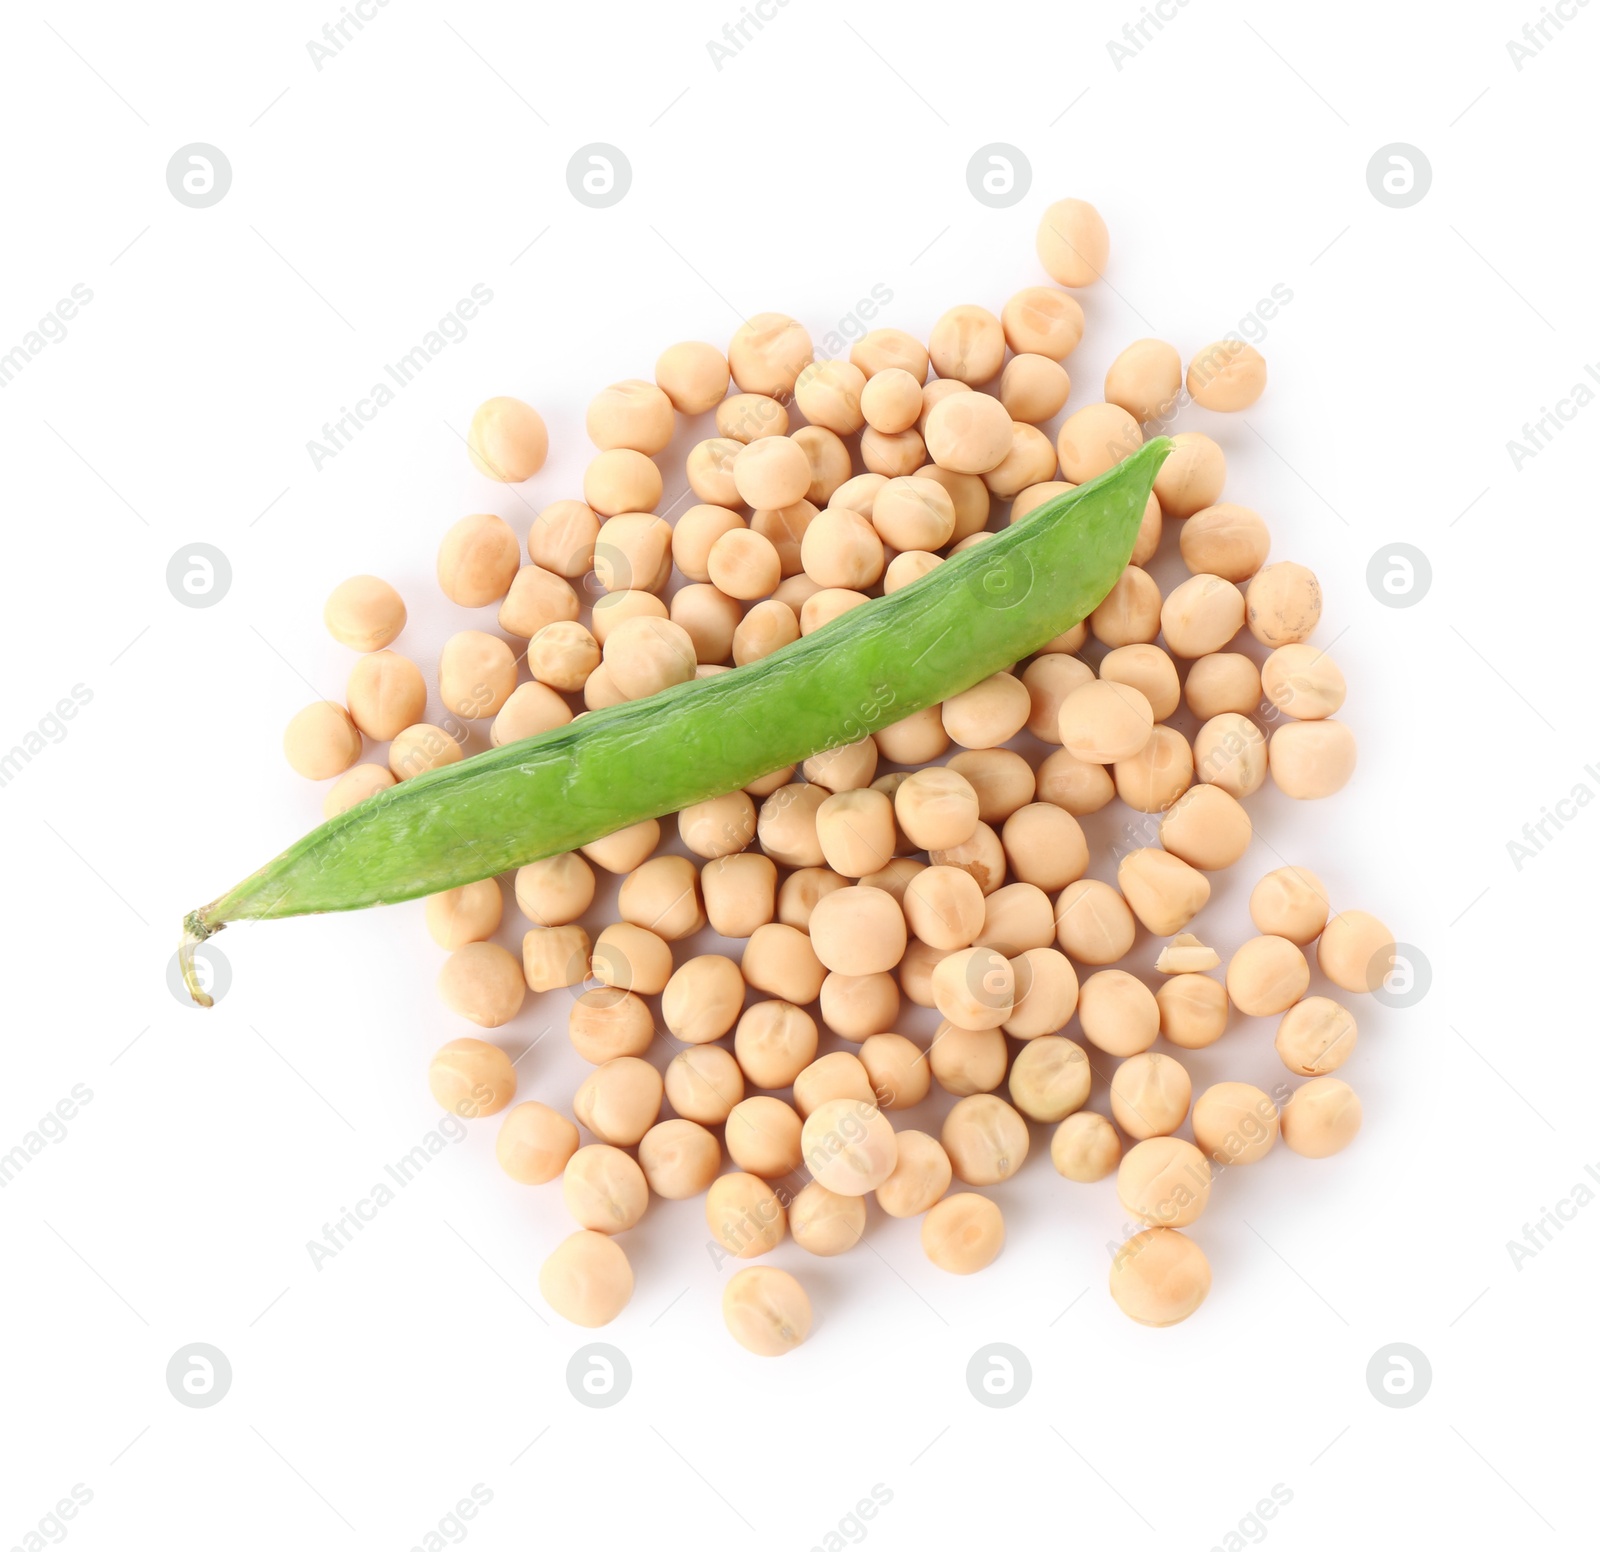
{"points": [[196, 929]]}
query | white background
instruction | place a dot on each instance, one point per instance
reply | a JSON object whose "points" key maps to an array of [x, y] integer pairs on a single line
{"points": [[828, 156]]}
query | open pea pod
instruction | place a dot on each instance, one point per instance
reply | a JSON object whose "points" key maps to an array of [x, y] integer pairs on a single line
{"points": [[977, 613]]}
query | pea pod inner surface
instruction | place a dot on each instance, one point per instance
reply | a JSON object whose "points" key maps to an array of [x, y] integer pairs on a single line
{"points": [[974, 615]]}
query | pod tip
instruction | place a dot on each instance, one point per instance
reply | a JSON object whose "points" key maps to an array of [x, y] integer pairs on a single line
{"points": [[195, 932]]}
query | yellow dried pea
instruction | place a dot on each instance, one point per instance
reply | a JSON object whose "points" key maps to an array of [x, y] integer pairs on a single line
{"points": [[587, 1279], [766, 1311], [1072, 242], [477, 559], [469, 913], [357, 784], [679, 1158], [471, 1078], [364, 613], [534, 1143], [321, 741], [693, 375], [1160, 1277], [1085, 1147], [963, 1233], [507, 440], [1235, 1123], [1226, 375]]}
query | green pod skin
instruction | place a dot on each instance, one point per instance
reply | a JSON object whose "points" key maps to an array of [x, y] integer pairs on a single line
{"points": [[974, 615]]}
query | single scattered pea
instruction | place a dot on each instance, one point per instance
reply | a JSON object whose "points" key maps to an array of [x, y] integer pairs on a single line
{"points": [[779, 960], [1085, 1147], [1226, 375], [1222, 682], [1144, 380], [1356, 951], [483, 983], [1150, 1095], [1193, 1009], [849, 1146], [321, 741], [469, 913], [1047, 985], [1162, 890], [534, 1143], [967, 1061], [1093, 923], [1164, 1182], [1316, 1036], [774, 1042], [1321, 1118], [365, 613], [607, 1022], [763, 1137], [1147, 669], [1206, 828], [824, 1223], [704, 1083], [1202, 615], [477, 673], [1303, 682], [604, 1189], [839, 1076], [478, 557], [1050, 1078], [1290, 902], [471, 1078], [693, 375], [829, 395], [937, 808], [556, 890], [1095, 438], [631, 959], [587, 1279], [1225, 540], [620, 1100], [1040, 320], [1283, 603], [768, 352], [967, 344], [1033, 388], [562, 538], [897, 1069], [963, 1233], [679, 1158], [357, 784], [1311, 759], [1160, 1277], [618, 480], [1230, 751], [1072, 242], [921, 1176], [858, 931], [507, 440], [766, 1311], [1191, 478], [1235, 1123], [1267, 975], [891, 400], [986, 1139], [663, 894], [631, 414], [553, 957]]}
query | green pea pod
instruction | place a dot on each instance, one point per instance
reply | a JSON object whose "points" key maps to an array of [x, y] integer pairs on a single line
{"points": [[977, 613]]}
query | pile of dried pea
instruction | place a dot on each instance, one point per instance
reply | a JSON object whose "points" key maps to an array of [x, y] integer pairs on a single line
{"points": [[891, 870]]}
